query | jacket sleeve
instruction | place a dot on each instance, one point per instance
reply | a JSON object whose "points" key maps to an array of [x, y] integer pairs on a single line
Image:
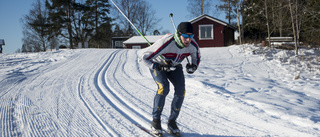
{"points": [[149, 55], [195, 55], [144, 57]]}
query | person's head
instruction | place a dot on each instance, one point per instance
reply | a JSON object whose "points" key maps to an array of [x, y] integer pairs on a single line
{"points": [[185, 33]]}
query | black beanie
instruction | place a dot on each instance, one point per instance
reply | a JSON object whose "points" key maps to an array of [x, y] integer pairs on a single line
{"points": [[185, 27]]}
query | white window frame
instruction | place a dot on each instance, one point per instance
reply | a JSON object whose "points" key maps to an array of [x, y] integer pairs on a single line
{"points": [[136, 47], [207, 38], [118, 44]]}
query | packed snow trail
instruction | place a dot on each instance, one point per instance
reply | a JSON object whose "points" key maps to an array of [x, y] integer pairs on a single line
{"points": [[105, 92]]}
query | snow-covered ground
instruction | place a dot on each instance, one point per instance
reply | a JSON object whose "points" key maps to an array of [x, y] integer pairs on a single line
{"points": [[237, 91]]}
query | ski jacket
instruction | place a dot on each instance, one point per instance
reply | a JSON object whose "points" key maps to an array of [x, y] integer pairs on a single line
{"points": [[166, 49]]}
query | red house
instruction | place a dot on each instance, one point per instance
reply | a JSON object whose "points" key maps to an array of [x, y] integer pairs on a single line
{"points": [[209, 32], [212, 32]]}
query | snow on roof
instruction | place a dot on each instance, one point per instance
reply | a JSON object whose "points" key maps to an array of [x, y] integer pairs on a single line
{"points": [[211, 18], [140, 39]]}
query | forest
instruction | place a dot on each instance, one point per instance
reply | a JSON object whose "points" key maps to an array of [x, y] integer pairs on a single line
{"points": [[52, 23]]}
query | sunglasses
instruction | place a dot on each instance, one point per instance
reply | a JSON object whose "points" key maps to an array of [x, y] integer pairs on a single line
{"points": [[187, 36]]}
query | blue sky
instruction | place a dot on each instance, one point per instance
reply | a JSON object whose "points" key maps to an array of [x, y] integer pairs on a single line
{"points": [[11, 11]]}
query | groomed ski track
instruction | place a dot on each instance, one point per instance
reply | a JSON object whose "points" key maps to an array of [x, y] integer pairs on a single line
{"points": [[106, 92]]}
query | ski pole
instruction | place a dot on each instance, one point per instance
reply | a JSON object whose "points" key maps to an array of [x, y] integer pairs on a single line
{"points": [[133, 25], [174, 26], [130, 22]]}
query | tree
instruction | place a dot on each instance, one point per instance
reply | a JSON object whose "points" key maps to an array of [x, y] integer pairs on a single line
{"points": [[118, 32], [199, 7], [61, 13], [266, 14], [310, 28], [238, 4], [227, 7], [232, 9], [130, 9], [296, 18], [146, 20], [97, 16], [139, 12], [82, 27], [36, 34], [261, 19]]}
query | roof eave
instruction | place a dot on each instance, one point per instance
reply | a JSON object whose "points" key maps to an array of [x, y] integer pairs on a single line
{"points": [[211, 18]]}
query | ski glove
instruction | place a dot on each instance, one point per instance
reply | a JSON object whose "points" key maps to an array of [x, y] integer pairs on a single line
{"points": [[191, 68], [167, 67]]}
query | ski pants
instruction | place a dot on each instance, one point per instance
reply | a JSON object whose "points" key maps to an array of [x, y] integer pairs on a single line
{"points": [[162, 78]]}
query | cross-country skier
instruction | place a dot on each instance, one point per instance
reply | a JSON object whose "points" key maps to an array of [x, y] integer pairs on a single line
{"points": [[164, 59]]}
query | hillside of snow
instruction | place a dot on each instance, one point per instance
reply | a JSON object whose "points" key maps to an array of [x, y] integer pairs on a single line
{"points": [[237, 91]]}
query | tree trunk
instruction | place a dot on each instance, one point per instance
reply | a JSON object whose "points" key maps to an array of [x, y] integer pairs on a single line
{"points": [[280, 20], [202, 11], [267, 18], [239, 25], [298, 23], [293, 28], [68, 10]]}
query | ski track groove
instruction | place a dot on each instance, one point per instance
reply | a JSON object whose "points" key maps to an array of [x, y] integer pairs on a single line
{"points": [[91, 110], [117, 83], [103, 82], [105, 88], [129, 80], [129, 108], [102, 96], [19, 117]]}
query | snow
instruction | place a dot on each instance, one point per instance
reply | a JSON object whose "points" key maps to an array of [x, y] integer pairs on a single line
{"points": [[140, 39], [237, 91]]}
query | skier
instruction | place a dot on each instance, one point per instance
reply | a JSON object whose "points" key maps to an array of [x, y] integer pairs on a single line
{"points": [[164, 59]]}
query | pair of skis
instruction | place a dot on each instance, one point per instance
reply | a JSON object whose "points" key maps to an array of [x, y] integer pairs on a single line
{"points": [[149, 132]]}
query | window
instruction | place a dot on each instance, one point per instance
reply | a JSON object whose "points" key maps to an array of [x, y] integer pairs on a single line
{"points": [[136, 47], [118, 44], [206, 32]]}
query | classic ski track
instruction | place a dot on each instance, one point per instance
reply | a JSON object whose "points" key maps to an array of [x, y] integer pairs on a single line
{"points": [[121, 65], [149, 89], [19, 112], [59, 121], [128, 106], [129, 79], [114, 98], [105, 126]]}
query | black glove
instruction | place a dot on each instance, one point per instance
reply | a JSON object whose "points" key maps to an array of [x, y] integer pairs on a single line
{"points": [[167, 67], [191, 68]]}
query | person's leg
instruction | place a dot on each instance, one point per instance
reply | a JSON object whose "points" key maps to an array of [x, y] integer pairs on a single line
{"points": [[160, 78], [177, 79]]}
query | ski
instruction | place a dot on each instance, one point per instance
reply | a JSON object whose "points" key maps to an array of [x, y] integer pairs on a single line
{"points": [[175, 135], [164, 134], [148, 131]]}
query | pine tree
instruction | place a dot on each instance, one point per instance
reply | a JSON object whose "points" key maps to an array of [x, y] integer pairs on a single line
{"points": [[98, 15], [228, 8], [310, 29], [61, 14]]}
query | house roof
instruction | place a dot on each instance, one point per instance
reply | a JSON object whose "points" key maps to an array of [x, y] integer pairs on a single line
{"points": [[140, 39], [211, 18]]}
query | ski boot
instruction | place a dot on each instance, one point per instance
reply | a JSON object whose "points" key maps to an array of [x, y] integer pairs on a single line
{"points": [[156, 128], [173, 128]]}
